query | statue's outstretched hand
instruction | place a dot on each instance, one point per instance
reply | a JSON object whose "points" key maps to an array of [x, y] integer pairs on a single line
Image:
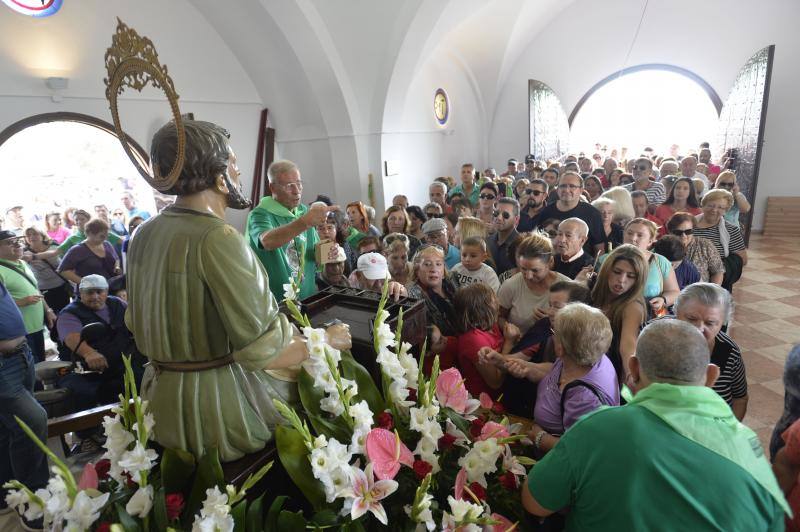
{"points": [[338, 336]]}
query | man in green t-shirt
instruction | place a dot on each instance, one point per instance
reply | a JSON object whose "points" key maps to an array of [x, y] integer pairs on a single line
{"points": [[674, 458], [281, 231]]}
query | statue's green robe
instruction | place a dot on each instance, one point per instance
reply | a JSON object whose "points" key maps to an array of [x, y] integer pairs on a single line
{"points": [[196, 292]]}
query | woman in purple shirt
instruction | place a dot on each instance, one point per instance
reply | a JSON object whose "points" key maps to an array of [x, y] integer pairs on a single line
{"points": [[581, 380], [92, 256]]}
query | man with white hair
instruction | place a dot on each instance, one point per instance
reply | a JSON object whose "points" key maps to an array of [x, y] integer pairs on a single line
{"points": [[570, 258], [437, 193], [673, 458], [689, 169], [280, 230]]}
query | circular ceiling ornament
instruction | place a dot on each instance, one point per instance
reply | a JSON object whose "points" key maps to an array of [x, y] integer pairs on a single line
{"points": [[441, 106], [132, 61], [34, 8]]}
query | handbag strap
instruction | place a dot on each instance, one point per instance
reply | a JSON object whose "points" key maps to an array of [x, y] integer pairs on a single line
{"points": [[21, 272]]}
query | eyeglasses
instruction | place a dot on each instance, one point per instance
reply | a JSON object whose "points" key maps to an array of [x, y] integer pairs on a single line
{"points": [[434, 215], [296, 184], [532, 192], [505, 214], [487, 196], [570, 186], [641, 167], [727, 184], [679, 232]]}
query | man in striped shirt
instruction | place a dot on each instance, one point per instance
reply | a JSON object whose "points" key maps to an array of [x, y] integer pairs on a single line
{"points": [[708, 307], [642, 172]]}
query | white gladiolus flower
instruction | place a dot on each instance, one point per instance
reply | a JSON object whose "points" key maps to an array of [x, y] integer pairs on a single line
{"points": [[332, 404], [117, 436], [463, 510], [289, 291], [142, 501], [85, 511], [215, 513], [149, 423], [362, 415], [138, 459], [17, 499]]}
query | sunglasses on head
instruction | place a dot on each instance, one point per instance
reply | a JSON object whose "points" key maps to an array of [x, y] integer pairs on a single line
{"points": [[505, 214], [681, 232], [532, 192], [487, 196], [396, 236]]}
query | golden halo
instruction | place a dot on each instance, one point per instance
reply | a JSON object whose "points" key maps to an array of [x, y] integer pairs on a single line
{"points": [[132, 61]]}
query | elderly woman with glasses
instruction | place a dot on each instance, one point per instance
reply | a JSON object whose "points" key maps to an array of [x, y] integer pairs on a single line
{"points": [[725, 236], [699, 251], [727, 181], [396, 220]]}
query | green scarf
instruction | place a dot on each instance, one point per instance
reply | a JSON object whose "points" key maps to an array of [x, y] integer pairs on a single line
{"points": [[269, 204], [699, 414]]}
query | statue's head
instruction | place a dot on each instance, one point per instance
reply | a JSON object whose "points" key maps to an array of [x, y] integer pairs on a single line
{"points": [[209, 161]]}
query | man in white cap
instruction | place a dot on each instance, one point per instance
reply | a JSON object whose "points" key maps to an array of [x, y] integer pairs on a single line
{"points": [[435, 231], [102, 356]]}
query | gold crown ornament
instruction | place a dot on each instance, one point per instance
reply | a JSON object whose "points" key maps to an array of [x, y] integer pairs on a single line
{"points": [[132, 61]]}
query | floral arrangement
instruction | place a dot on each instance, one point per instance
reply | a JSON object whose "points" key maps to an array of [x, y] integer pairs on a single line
{"points": [[351, 452], [131, 489]]}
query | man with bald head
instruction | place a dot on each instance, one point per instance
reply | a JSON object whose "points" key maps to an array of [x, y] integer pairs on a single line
{"points": [[570, 258], [673, 458], [689, 169]]}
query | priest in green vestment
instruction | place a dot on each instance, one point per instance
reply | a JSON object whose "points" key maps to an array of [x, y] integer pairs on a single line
{"points": [[200, 308]]}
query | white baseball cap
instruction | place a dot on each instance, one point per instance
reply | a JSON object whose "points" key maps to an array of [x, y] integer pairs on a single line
{"points": [[373, 266], [94, 281]]}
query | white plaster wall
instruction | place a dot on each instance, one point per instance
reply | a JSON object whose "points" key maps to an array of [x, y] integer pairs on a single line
{"points": [[422, 149], [712, 39]]}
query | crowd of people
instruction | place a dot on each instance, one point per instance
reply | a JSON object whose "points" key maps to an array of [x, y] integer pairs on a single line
{"points": [[556, 287]]}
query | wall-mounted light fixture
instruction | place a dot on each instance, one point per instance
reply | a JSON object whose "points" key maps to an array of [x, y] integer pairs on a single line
{"points": [[56, 86]]}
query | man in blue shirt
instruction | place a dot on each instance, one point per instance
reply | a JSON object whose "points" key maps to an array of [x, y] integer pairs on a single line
{"points": [[435, 231], [20, 458], [130, 205]]}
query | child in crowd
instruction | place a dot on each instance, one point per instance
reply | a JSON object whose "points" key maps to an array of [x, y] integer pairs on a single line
{"points": [[477, 308], [671, 248], [471, 269]]}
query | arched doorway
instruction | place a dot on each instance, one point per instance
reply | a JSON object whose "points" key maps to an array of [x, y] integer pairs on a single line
{"points": [[646, 106], [58, 160]]}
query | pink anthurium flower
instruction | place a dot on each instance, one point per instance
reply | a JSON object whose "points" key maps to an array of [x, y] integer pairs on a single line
{"points": [[386, 452], [493, 430], [486, 401], [451, 392], [89, 478], [461, 481], [504, 524], [368, 494]]}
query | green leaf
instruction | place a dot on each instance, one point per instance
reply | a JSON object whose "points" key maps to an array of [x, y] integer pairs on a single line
{"points": [[253, 478], [160, 510], [254, 515], [239, 513], [324, 518], [271, 519], [310, 396], [177, 467], [460, 423], [294, 457], [291, 521], [209, 474], [366, 386], [125, 519]]}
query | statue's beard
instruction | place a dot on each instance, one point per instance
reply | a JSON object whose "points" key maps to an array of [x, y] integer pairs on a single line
{"points": [[235, 198]]}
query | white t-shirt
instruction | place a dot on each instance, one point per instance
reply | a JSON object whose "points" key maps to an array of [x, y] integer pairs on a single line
{"points": [[515, 295], [485, 274]]}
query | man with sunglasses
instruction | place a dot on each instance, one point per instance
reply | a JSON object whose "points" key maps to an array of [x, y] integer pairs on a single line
{"points": [[569, 205], [505, 220], [532, 201], [642, 171]]}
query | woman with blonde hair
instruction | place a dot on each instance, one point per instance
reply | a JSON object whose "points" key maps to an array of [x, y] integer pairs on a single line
{"points": [[469, 226], [725, 236], [431, 283], [622, 198], [619, 293], [727, 181], [525, 296]]}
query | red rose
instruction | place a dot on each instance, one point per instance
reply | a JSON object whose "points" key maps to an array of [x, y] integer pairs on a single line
{"points": [[105, 526], [422, 468], [174, 503], [508, 480], [498, 408], [476, 426], [385, 420], [412, 394], [446, 442], [102, 467], [478, 490]]}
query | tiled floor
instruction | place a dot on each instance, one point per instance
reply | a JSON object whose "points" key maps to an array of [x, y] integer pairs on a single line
{"points": [[766, 324]]}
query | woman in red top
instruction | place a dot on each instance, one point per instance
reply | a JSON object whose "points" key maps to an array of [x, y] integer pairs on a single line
{"points": [[682, 198], [477, 308]]}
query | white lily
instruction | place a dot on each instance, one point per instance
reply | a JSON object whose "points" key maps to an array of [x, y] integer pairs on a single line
{"points": [[366, 494]]}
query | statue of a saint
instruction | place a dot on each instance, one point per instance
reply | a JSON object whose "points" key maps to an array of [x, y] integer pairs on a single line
{"points": [[200, 308]]}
